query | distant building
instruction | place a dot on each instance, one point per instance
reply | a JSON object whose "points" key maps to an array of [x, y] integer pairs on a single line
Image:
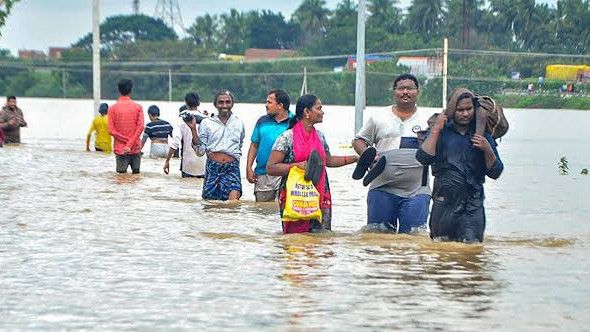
{"points": [[31, 55], [56, 53], [369, 58], [422, 65], [254, 54]]}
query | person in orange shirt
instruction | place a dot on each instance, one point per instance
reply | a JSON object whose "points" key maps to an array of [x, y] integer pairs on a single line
{"points": [[126, 126]]}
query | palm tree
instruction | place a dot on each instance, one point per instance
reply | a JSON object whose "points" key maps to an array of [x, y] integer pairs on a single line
{"points": [[204, 30], [232, 35], [312, 16], [425, 16], [384, 14]]}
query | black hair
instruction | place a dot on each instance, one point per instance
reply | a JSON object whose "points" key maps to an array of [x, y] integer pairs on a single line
{"points": [[103, 108], [305, 101], [192, 100], [10, 97], [223, 92], [465, 95], [406, 77], [281, 97], [125, 85], [154, 110]]}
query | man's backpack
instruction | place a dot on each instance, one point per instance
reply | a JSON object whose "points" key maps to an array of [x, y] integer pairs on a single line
{"points": [[497, 125]]}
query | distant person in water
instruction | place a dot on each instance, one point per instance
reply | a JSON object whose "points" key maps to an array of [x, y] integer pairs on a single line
{"points": [[11, 120], [100, 125], [157, 131], [460, 159], [220, 137], [126, 125], [191, 165]]}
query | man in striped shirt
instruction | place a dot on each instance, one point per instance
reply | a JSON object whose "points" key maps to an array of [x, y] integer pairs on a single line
{"points": [[157, 131], [126, 125]]}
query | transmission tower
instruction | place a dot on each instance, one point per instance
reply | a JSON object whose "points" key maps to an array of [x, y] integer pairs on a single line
{"points": [[136, 7], [169, 12]]}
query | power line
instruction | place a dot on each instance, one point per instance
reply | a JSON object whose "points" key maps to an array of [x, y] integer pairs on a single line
{"points": [[169, 12]]}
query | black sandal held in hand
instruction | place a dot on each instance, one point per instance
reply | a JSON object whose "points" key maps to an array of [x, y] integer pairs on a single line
{"points": [[313, 169], [374, 172], [365, 161]]}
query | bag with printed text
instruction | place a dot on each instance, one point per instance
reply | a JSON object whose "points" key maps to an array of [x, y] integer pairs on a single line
{"points": [[302, 198]]}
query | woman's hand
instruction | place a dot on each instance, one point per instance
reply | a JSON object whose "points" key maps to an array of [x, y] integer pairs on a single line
{"points": [[301, 164]]}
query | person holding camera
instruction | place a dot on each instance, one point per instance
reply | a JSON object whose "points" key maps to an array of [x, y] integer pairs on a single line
{"points": [[191, 165], [221, 138]]}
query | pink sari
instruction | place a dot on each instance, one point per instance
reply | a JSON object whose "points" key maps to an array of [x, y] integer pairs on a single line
{"points": [[303, 144]]}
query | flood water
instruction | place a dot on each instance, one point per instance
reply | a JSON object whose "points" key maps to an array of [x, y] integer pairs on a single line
{"points": [[85, 248]]}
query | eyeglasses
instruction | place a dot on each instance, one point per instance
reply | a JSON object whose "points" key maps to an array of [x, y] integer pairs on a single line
{"points": [[406, 88]]}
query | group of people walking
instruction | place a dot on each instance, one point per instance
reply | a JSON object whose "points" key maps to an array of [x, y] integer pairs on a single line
{"points": [[394, 151]]}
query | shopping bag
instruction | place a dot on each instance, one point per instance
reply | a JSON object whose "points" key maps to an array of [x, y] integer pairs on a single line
{"points": [[302, 198]]}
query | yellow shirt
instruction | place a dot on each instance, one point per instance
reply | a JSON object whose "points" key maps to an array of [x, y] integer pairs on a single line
{"points": [[103, 141]]}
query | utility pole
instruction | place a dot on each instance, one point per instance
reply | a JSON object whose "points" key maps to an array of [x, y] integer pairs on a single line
{"points": [[136, 7], [96, 54], [359, 95]]}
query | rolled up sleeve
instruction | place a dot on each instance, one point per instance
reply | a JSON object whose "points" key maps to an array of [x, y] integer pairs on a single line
{"points": [[367, 133], [424, 158]]}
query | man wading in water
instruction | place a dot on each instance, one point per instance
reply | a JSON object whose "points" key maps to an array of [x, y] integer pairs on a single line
{"points": [[460, 160], [221, 138]]}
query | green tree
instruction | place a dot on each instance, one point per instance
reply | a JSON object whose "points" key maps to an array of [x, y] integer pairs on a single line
{"points": [[425, 17], [313, 17], [385, 14], [117, 30], [269, 30], [5, 7], [461, 20], [204, 31], [233, 33], [340, 37], [572, 26]]}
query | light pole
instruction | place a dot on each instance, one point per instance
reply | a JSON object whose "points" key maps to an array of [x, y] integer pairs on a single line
{"points": [[96, 54], [359, 95]]}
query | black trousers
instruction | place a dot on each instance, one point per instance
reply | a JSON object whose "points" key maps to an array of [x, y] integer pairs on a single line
{"points": [[463, 221]]}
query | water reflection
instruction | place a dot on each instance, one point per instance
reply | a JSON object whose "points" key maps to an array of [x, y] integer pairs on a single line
{"points": [[301, 258]]}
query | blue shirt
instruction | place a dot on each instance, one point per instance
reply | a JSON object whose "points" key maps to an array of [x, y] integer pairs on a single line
{"points": [[456, 159], [265, 134]]}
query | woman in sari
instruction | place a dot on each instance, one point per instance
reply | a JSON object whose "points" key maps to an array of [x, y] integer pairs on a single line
{"points": [[293, 149]]}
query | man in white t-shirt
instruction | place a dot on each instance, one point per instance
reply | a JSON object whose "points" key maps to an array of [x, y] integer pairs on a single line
{"points": [[399, 196], [191, 165]]}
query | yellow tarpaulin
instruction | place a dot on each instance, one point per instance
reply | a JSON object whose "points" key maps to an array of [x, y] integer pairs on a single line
{"points": [[566, 72]]}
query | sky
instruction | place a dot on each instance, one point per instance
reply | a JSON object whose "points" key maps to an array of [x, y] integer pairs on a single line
{"points": [[40, 24]]}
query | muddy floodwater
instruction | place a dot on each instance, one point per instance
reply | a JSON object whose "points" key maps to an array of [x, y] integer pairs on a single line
{"points": [[84, 248]]}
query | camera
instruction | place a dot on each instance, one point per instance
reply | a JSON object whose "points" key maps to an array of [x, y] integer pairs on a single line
{"points": [[188, 117]]}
